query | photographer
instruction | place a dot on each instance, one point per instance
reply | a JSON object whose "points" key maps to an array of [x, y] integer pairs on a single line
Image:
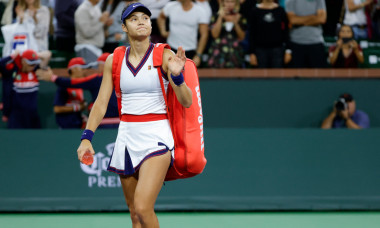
{"points": [[346, 53], [345, 115]]}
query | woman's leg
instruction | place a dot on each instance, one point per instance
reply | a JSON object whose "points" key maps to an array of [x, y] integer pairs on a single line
{"points": [[129, 186], [151, 177]]}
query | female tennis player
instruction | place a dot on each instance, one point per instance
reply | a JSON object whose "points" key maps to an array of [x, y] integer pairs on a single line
{"points": [[144, 146]]}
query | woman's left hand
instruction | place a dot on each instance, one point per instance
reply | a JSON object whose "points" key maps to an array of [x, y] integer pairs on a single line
{"points": [[177, 63], [354, 44]]}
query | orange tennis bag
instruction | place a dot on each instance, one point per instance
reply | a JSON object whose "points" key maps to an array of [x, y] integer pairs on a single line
{"points": [[186, 123]]}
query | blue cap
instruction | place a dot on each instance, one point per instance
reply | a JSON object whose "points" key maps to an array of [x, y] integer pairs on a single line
{"points": [[132, 8]]}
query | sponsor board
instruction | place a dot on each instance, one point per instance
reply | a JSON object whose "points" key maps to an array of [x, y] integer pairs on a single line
{"points": [[98, 176]]}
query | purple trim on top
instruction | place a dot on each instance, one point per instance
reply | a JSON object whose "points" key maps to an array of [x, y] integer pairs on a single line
{"points": [[164, 75], [134, 70]]}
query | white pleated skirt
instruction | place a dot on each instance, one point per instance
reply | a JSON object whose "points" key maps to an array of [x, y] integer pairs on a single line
{"points": [[139, 141]]}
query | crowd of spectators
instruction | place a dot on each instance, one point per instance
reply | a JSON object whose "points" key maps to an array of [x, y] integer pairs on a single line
{"points": [[214, 33]]}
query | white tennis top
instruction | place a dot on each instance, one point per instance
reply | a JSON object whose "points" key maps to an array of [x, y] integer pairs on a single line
{"points": [[140, 87]]}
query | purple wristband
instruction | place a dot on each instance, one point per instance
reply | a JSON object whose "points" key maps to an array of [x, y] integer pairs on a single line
{"points": [[87, 134], [178, 80]]}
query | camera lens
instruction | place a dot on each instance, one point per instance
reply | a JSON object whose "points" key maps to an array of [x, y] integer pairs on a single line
{"points": [[340, 105]]}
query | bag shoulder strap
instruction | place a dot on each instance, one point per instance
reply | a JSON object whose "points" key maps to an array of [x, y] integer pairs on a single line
{"points": [[158, 59], [117, 63], [118, 55]]}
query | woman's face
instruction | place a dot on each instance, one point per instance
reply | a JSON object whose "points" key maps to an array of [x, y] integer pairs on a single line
{"points": [[345, 32], [138, 25], [229, 5]]}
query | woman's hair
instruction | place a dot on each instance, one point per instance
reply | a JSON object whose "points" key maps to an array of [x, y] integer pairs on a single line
{"points": [[113, 6], [24, 6], [340, 28], [236, 9]]}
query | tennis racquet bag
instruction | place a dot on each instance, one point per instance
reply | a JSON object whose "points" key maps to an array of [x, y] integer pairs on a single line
{"points": [[186, 123]]}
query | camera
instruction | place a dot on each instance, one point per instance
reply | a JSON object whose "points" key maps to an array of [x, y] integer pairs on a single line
{"points": [[346, 40], [341, 104]]}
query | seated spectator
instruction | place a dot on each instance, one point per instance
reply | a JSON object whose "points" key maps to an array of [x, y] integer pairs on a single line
{"points": [[64, 31], [155, 7], [69, 102], [89, 29], [346, 53], [345, 115], [307, 43], [91, 83], [355, 17], [185, 18], [269, 36], [32, 12], [113, 31], [227, 29], [20, 89]]}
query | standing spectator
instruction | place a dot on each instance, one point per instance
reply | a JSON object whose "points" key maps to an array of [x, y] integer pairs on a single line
{"points": [[69, 102], [206, 7], [269, 35], [185, 17], [113, 32], [227, 29], [9, 15], [89, 28], [21, 84], [346, 53], [355, 17], [65, 29], [307, 43], [345, 115], [33, 13], [92, 84], [155, 7]]}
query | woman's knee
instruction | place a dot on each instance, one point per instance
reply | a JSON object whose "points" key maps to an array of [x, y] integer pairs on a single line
{"points": [[134, 217], [143, 209]]}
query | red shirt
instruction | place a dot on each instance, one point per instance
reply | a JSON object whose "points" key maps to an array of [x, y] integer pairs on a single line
{"points": [[350, 61]]}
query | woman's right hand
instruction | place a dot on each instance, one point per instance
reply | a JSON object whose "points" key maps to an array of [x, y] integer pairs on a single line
{"points": [[339, 43], [83, 147]]}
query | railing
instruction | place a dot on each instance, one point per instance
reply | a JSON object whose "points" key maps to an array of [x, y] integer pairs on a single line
{"points": [[273, 73]]}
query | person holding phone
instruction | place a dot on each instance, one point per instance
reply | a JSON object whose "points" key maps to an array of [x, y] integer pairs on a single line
{"points": [[227, 30], [346, 53]]}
